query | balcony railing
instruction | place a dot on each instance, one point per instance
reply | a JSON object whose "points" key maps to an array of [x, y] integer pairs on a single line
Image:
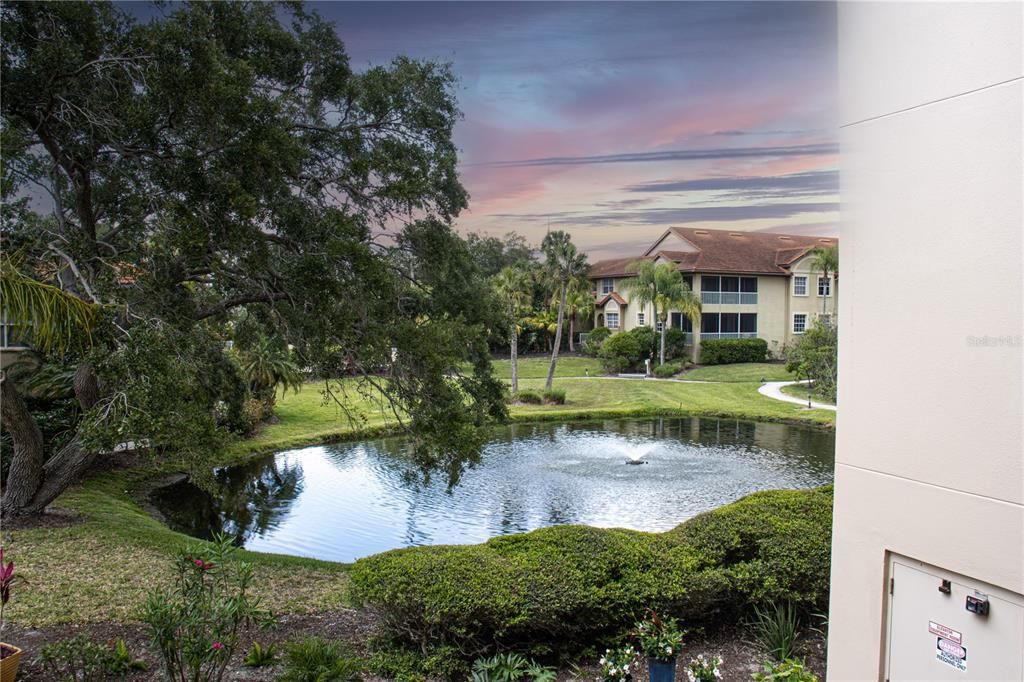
{"points": [[709, 336], [728, 298]]}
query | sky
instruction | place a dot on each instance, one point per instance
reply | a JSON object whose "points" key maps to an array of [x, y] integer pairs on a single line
{"points": [[614, 121]]}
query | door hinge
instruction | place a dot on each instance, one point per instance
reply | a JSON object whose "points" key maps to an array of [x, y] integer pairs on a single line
{"points": [[892, 585]]}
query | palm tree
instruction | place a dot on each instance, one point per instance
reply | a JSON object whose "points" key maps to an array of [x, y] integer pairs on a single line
{"points": [[579, 300], [563, 263], [662, 286], [267, 366], [827, 261], [514, 287]]}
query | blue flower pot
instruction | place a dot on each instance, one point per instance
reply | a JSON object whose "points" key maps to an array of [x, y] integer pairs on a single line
{"points": [[661, 671]]}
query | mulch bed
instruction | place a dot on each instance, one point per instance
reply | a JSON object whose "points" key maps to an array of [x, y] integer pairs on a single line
{"points": [[355, 627]]}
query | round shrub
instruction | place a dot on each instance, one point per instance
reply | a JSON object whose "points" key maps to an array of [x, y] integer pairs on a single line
{"points": [[669, 369], [566, 588], [530, 397], [675, 343], [595, 338], [554, 396], [628, 350]]}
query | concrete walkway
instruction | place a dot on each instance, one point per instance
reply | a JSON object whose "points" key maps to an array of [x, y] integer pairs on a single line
{"points": [[773, 389]]}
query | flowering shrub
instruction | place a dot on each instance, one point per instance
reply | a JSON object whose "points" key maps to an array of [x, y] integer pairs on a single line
{"points": [[7, 580], [618, 665], [195, 626], [659, 638], [703, 669]]}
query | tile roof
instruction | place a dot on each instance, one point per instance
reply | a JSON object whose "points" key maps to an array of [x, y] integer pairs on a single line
{"points": [[761, 253], [614, 296]]}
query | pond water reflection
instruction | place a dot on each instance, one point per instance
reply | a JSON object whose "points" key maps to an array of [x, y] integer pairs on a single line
{"points": [[344, 501]]}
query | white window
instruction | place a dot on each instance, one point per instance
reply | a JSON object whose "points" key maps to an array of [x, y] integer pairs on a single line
{"points": [[641, 319], [12, 337], [607, 286], [824, 286], [800, 285], [799, 323], [658, 325], [612, 320], [826, 319]]}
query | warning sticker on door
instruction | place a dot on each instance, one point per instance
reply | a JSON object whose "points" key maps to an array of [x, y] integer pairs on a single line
{"points": [[945, 632], [951, 653]]}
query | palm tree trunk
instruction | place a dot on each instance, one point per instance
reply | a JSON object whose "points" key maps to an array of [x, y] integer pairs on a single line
{"points": [[661, 355], [824, 298], [572, 331], [515, 360], [558, 337]]}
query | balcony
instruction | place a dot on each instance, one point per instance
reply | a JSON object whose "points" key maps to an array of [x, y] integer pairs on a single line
{"points": [[710, 336], [728, 298]]}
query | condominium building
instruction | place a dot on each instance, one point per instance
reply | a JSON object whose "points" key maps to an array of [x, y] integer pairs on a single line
{"points": [[750, 284]]}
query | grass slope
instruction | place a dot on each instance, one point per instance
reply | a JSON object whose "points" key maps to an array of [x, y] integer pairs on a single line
{"points": [[101, 568]]}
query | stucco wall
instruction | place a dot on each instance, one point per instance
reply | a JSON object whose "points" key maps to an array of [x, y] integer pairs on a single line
{"points": [[929, 449]]}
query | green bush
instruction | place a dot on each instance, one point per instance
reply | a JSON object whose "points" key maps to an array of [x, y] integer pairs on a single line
{"points": [[511, 667], [595, 338], [790, 670], [728, 351], [530, 397], [669, 369], [628, 350], [80, 659], [554, 396], [260, 656], [675, 343], [195, 624], [318, 660], [567, 588]]}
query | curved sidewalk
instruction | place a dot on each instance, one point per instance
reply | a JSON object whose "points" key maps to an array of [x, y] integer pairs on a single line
{"points": [[773, 389]]}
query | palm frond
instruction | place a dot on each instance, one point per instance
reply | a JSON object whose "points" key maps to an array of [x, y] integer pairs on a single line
{"points": [[54, 320]]}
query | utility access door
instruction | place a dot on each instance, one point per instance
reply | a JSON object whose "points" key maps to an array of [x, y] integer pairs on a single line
{"points": [[945, 626]]}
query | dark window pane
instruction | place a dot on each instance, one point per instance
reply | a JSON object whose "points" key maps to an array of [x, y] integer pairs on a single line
{"points": [[709, 322], [687, 324], [730, 322], [748, 285], [730, 284], [748, 322], [689, 281], [709, 283]]}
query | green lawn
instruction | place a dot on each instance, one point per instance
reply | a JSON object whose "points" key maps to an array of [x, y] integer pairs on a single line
{"points": [[537, 367], [102, 567], [800, 391], [744, 371]]}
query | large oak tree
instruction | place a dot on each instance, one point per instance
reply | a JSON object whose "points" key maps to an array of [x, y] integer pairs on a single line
{"points": [[224, 160]]}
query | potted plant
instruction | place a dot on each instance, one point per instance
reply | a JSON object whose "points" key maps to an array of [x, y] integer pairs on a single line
{"points": [[618, 665], [660, 640], [10, 656]]}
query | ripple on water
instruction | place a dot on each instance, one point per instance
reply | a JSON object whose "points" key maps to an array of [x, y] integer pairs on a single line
{"points": [[344, 501]]}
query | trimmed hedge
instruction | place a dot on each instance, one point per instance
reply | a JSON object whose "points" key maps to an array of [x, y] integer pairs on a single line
{"points": [[554, 396], [668, 370], [566, 588], [728, 351], [628, 350], [595, 339]]}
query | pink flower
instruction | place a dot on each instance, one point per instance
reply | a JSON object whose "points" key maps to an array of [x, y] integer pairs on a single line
{"points": [[217, 646]]}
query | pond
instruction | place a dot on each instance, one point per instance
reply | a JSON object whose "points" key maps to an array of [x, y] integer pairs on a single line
{"points": [[349, 500]]}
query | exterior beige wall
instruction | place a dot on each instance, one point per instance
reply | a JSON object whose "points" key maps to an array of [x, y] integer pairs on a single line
{"points": [[929, 448]]}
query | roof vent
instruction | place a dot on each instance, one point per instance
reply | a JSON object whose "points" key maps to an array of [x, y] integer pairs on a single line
{"points": [[824, 241], [701, 232], [785, 238], [735, 234]]}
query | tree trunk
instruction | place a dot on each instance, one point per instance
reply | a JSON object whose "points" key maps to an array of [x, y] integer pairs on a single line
{"points": [[36, 484], [572, 331], [28, 455], [661, 354], [824, 299], [515, 360], [558, 338]]}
